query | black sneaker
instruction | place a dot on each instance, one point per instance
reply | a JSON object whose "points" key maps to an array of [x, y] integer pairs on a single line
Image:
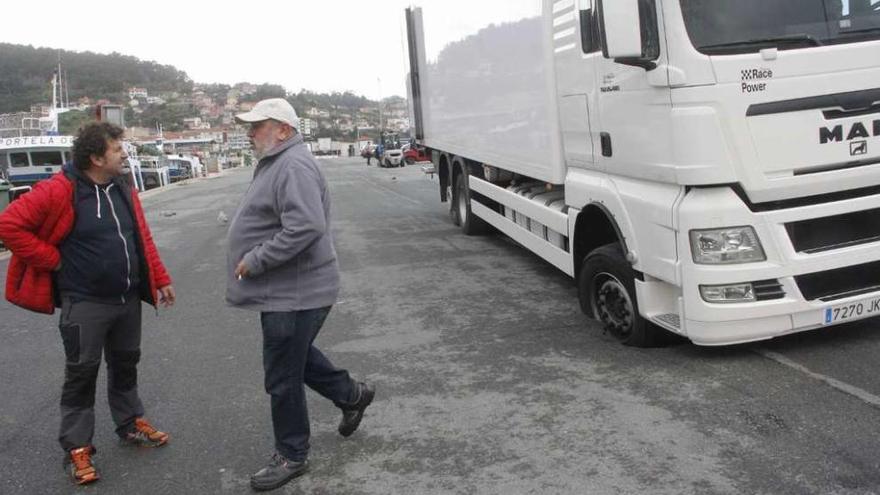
{"points": [[353, 414], [279, 471]]}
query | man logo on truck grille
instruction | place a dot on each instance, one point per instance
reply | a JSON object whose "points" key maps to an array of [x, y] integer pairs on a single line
{"points": [[858, 130], [858, 148]]}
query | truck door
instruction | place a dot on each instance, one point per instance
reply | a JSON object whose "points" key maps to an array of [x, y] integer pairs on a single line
{"points": [[634, 110], [576, 50]]}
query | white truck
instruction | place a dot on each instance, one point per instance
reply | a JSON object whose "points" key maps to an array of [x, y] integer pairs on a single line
{"points": [[711, 168], [325, 147]]}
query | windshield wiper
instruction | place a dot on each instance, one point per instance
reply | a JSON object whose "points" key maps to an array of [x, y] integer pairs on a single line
{"points": [[791, 38], [860, 31]]}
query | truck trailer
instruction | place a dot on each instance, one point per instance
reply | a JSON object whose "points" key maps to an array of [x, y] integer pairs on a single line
{"points": [[707, 168]]}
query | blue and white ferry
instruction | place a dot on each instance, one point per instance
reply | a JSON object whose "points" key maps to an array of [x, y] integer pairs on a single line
{"points": [[29, 159]]}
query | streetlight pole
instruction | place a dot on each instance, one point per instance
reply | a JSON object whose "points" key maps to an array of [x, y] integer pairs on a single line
{"points": [[379, 82]]}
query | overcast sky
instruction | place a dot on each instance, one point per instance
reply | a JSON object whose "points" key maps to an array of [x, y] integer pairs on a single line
{"points": [[323, 45]]}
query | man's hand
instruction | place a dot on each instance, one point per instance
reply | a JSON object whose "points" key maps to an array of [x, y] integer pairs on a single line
{"points": [[241, 271], [167, 296]]}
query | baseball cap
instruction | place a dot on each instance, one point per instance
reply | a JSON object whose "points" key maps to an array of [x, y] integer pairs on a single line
{"points": [[273, 108]]}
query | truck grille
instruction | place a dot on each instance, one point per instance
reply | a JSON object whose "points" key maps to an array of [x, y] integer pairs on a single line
{"points": [[827, 233], [841, 282], [766, 290]]}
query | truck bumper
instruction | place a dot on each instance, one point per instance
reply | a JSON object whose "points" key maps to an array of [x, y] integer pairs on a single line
{"points": [[822, 288]]}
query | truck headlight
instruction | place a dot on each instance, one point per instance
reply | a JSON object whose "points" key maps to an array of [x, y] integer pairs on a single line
{"points": [[734, 293], [726, 246]]}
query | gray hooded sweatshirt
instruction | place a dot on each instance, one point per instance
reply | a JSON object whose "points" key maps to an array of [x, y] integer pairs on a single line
{"points": [[282, 232]]}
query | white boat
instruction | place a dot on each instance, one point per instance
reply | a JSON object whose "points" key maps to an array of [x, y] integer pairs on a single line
{"points": [[181, 167], [27, 160]]}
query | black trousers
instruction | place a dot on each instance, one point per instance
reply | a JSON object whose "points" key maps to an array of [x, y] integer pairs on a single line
{"points": [[90, 329], [290, 361]]}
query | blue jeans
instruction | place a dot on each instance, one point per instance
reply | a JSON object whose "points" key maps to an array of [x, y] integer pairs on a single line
{"points": [[290, 361]]}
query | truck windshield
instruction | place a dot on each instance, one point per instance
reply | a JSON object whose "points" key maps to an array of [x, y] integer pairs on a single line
{"points": [[719, 27]]}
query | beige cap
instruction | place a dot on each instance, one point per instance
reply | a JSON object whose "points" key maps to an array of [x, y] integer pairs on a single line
{"points": [[273, 108]]}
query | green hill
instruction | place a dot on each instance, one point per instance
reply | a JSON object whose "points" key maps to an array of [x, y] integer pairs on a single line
{"points": [[26, 72]]}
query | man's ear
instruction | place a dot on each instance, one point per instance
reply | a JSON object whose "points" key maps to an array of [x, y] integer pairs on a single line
{"points": [[95, 160]]}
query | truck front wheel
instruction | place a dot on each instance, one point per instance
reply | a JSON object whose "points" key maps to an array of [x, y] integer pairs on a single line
{"points": [[606, 289]]}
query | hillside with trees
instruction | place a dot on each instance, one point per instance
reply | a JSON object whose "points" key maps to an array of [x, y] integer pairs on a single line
{"points": [[170, 98], [26, 73]]}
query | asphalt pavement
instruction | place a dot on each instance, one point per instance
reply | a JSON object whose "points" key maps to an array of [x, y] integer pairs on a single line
{"points": [[489, 379]]}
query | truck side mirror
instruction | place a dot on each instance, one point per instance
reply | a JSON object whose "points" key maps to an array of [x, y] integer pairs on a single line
{"points": [[628, 30]]}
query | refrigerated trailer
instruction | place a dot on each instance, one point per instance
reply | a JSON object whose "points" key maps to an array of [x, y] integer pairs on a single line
{"points": [[711, 169]]}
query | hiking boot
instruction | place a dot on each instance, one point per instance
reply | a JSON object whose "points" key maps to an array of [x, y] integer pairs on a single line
{"points": [[144, 435], [279, 471], [79, 463], [352, 414]]}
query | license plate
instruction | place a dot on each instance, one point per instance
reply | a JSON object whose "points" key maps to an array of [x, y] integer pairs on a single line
{"points": [[855, 310]]}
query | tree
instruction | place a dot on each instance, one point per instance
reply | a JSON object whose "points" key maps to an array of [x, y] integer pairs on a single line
{"points": [[265, 91], [148, 150], [26, 74], [69, 123]]}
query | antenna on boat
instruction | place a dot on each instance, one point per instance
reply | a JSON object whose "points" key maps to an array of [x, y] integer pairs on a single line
{"points": [[66, 90], [60, 88]]}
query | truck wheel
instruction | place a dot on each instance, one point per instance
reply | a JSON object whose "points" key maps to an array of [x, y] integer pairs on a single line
{"points": [[470, 223], [452, 194], [410, 160], [607, 291]]}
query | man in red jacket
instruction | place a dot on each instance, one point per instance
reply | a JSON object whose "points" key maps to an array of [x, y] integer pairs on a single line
{"points": [[80, 242]]}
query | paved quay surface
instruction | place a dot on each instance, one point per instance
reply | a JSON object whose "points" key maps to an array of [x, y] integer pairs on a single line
{"points": [[490, 380]]}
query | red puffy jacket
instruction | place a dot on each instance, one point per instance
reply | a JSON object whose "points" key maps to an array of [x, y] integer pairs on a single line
{"points": [[34, 225]]}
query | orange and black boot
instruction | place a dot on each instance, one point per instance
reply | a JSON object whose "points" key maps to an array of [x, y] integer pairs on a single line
{"points": [[79, 464], [144, 435]]}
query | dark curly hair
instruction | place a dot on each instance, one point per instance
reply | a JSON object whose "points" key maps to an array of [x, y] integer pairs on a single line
{"points": [[92, 140]]}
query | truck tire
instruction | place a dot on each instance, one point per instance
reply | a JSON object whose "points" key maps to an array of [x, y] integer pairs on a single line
{"points": [[470, 224], [410, 160], [606, 289], [453, 205]]}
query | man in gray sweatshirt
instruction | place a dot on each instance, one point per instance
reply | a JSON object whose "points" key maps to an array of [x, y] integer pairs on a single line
{"points": [[282, 263]]}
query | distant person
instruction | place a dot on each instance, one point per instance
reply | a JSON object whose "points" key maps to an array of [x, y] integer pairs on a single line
{"points": [[368, 152], [380, 150], [79, 240], [282, 264]]}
